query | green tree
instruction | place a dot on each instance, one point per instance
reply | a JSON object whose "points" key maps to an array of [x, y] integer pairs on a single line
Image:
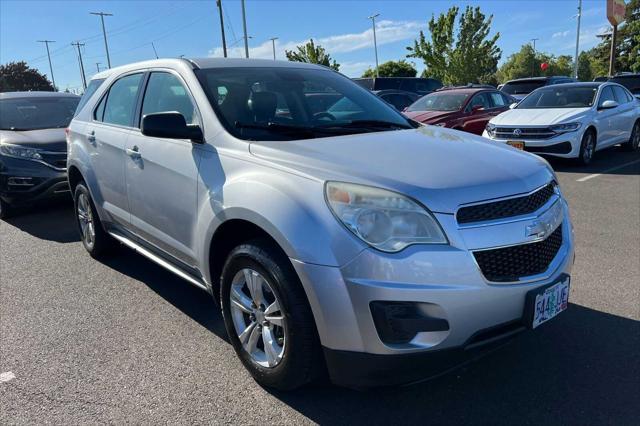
{"points": [[467, 55], [585, 71], [399, 68], [313, 54], [18, 77], [527, 63]]}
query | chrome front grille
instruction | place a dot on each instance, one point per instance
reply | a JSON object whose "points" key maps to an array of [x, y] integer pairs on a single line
{"points": [[518, 133]]}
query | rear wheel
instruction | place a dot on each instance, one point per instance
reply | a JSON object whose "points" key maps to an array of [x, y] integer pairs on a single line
{"points": [[268, 318], [94, 238], [634, 140], [587, 148]]}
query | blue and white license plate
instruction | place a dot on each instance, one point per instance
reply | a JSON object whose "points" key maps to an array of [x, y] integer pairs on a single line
{"points": [[550, 302]]}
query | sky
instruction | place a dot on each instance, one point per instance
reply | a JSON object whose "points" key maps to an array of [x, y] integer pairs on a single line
{"points": [[192, 29]]}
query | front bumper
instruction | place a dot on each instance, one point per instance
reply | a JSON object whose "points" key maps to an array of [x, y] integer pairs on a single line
{"points": [[446, 282], [23, 182], [566, 145]]}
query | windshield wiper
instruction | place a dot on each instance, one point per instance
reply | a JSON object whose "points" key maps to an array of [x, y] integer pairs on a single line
{"points": [[371, 124]]}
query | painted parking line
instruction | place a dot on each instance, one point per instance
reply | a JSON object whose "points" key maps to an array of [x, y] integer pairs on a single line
{"points": [[586, 178]]}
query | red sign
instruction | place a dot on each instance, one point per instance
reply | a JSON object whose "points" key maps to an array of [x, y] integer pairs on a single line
{"points": [[615, 11]]}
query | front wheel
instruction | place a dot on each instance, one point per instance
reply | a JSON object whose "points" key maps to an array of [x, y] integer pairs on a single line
{"points": [[268, 318], [634, 141], [587, 148]]}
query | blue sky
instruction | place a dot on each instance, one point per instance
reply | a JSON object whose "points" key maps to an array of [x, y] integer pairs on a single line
{"points": [[191, 28]]}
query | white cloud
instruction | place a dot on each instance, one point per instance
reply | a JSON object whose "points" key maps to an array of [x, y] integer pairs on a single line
{"points": [[355, 69], [386, 32], [560, 34]]}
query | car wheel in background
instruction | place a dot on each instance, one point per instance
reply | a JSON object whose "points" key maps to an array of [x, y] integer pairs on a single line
{"points": [[268, 318], [6, 210], [587, 148], [634, 140], [94, 238]]}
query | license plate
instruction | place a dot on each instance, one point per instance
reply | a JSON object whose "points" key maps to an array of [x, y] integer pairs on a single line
{"points": [[549, 302], [516, 144]]}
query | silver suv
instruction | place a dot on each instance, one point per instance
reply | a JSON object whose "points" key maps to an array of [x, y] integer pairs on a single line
{"points": [[349, 241]]}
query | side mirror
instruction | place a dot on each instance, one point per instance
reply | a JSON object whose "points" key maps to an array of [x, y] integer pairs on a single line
{"points": [[608, 105], [513, 105], [170, 125]]}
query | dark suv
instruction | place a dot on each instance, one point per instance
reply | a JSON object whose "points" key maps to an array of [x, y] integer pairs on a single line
{"points": [[418, 85], [33, 148], [521, 87], [630, 81]]}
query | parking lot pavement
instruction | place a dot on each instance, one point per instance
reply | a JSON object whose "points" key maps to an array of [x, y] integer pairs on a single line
{"points": [[84, 341]]}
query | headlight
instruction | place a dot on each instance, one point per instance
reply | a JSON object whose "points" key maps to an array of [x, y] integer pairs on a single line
{"points": [[383, 219], [490, 128], [18, 151], [563, 128]]}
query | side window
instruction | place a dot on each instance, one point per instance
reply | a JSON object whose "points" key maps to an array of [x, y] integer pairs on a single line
{"points": [[606, 95], [621, 95], [507, 100], [98, 114], [480, 100], [90, 90], [166, 93], [498, 100], [121, 100]]}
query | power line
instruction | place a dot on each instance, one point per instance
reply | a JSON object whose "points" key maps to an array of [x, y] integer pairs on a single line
{"points": [[46, 43]]}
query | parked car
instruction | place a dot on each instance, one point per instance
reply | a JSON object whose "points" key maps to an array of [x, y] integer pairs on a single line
{"points": [[521, 87], [400, 99], [418, 85], [630, 81], [33, 150], [356, 242], [571, 120], [462, 108]]}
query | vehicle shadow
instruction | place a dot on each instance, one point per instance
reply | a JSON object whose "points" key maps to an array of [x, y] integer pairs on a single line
{"points": [[581, 368], [609, 158], [51, 221]]}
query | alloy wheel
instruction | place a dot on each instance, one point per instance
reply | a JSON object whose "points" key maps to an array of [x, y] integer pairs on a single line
{"points": [[85, 219], [258, 318], [589, 148], [635, 143]]}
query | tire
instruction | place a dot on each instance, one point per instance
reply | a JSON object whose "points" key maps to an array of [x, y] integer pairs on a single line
{"points": [[587, 148], [634, 141], [93, 236], [296, 357], [6, 209]]}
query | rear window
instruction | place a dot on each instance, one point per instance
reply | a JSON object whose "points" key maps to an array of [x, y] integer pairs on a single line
{"points": [[439, 101], [91, 89], [522, 87], [33, 113]]}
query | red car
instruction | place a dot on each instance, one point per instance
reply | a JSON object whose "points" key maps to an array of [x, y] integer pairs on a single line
{"points": [[467, 108]]}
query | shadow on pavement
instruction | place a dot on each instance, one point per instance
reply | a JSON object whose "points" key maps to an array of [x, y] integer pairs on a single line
{"points": [[51, 221], [603, 160]]}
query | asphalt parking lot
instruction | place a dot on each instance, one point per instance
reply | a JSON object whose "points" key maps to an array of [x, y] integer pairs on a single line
{"points": [[125, 341]]}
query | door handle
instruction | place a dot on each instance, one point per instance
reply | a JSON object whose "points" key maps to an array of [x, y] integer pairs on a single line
{"points": [[133, 152], [91, 137]]}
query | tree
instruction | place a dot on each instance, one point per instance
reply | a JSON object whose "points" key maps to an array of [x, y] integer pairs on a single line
{"points": [[399, 68], [313, 54], [585, 70], [465, 56], [18, 77], [526, 63]]}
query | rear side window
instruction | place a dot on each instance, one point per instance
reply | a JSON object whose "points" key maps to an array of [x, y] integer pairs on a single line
{"points": [[621, 95], [120, 101], [480, 100], [166, 93], [90, 90], [498, 100]]}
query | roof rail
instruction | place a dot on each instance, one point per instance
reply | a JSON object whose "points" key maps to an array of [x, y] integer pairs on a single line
{"points": [[467, 86]]}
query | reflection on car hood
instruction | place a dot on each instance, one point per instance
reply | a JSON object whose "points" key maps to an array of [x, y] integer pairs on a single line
{"points": [[428, 117], [47, 139], [538, 117], [440, 167]]}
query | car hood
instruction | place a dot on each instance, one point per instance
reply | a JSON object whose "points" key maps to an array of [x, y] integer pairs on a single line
{"points": [[538, 117], [47, 139], [440, 167], [428, 116]]}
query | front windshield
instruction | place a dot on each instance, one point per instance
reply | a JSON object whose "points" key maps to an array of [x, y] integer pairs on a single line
{"points": [[522, 87], [294, 103], [439, 102], [33, 113], [560, 97]]}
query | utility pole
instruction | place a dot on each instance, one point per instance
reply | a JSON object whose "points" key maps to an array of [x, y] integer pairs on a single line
{"points": [[104, 33], [46, 42], [575, 61], [98, 66], [273, 44], [375, 41], [533, 61], [84, 78], [224, 41], [612, 53], [154, 50], [244, 27]]}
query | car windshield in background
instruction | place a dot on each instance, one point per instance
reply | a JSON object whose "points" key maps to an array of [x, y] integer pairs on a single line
{"points": [[33, 113], [286, 104], [522, 87], [631, 82], [560, 97], [439, 102]]}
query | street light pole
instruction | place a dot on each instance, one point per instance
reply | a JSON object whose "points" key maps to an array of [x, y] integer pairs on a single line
{"points": [[575, 62], [244, 26], [104, 33], [46, 42], [224, 41], [273, 44], [375, 41], [533, 61], [84, 78], [98, 66]]}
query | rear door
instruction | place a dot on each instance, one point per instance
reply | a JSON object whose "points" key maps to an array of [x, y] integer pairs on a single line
{"points": [[626, 117], [162, 173], [607, 122]]}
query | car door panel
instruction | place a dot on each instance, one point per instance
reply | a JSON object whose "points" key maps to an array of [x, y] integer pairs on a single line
{"points": [[606, 119], [626, 116]]}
